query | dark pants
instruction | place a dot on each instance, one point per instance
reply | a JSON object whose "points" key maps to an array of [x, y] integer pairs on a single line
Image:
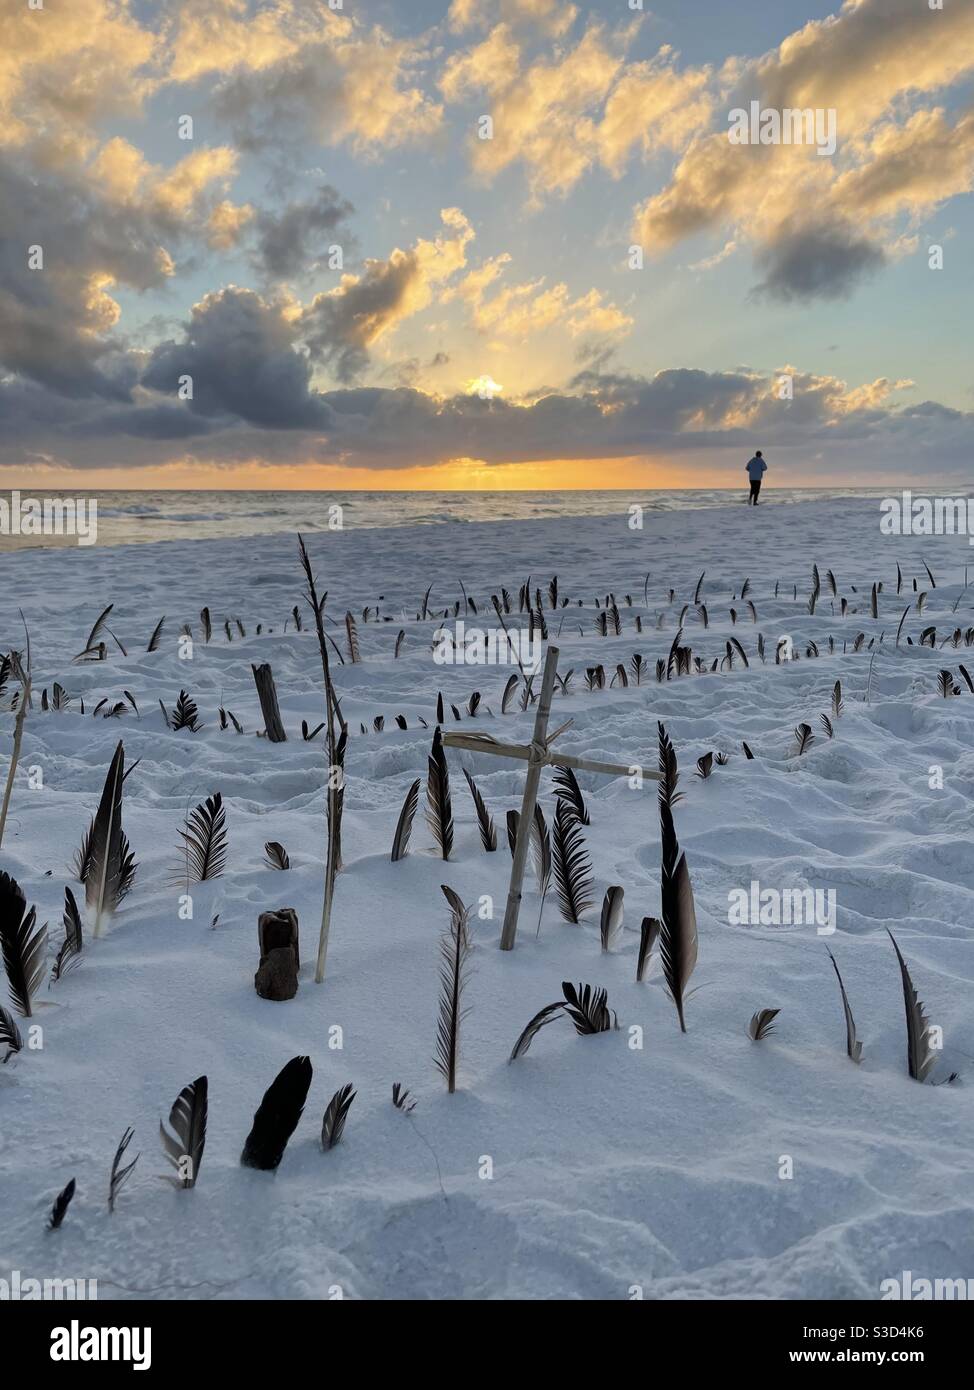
{"points": [[755, 489]]}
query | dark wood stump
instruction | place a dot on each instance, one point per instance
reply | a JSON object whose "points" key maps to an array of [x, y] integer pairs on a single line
{"points": [[267, 693], [280, 961], [276, 977]]}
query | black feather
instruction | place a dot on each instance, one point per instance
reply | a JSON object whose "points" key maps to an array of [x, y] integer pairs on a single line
{"points": [[333, 1124], [120, 1175], [401, 1099], [546, 1015], [920, 1056], [70, 949], [648, 932], [400, 843], [678, 923], [588, 1008], [60, 1207], [572, 866], [9, 1034], [513, 819], [488, 832], [541, 845], [184, 714], [156, 634], [439, 808], [277, 1115], [804, 737], [205, 840], [23, 948], [110, 866], [567, 789], [611, 923]]}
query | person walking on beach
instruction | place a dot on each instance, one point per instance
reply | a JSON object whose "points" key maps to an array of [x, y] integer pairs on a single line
{"points": [[756, 470]]}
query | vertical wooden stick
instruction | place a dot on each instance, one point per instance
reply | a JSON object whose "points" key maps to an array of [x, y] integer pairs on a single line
{"points": [[15, 753], [528, 802], [333, 798]]}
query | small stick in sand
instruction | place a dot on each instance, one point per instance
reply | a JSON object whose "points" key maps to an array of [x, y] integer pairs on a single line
{"points": [[15, 754]]}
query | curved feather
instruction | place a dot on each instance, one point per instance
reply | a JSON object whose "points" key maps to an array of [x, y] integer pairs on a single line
{"points": [[276, 856], [852, 1044], [60, 1207], [97, 628], [107, 868], [513, 819], [488, 832], [611, 923], [156, 634], [23, 948], [187, 1119], [509, 690], [120, 1174], [400, 843], [546, 1015], [567, 789], [333, 1124], [648, 933], [919, 1054], [588, 1008], [762, 1023], [70, 948]]}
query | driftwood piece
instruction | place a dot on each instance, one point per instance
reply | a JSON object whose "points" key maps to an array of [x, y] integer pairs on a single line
{"points": [[277, 974], [264, 681], [279, 928]]}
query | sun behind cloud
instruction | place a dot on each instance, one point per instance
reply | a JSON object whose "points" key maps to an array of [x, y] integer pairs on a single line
{"points": [[483, 386]]}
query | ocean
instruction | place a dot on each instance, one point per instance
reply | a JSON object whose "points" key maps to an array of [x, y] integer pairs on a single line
{"points": [[139, 518]]}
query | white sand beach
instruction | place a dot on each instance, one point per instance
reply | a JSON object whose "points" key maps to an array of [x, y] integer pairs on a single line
{"points": [[639, 1162]]}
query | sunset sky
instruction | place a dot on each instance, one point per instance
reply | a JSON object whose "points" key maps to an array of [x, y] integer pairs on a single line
{"points": [[486, 326]]}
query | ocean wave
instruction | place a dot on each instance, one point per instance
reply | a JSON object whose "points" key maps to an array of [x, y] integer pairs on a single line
{"points": [[156, 514]]}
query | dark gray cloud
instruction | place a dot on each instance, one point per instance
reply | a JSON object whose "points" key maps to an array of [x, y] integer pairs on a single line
{"points": [[816, 261], [295, 241], [338, 328], [692, 414], [254, 397], [240, 351], [53, 327]]}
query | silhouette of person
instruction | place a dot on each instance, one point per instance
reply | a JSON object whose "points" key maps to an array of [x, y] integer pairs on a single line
{"points": [[756, 470]]}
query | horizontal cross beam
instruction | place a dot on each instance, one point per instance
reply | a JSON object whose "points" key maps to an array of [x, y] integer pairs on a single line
{"points": [[484, 743]]}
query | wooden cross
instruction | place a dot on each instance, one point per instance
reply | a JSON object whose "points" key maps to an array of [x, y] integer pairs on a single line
{"points": [[537, 754]]}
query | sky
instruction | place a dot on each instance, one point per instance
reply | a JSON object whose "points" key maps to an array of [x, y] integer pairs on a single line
{"points": [[478, 244]]}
